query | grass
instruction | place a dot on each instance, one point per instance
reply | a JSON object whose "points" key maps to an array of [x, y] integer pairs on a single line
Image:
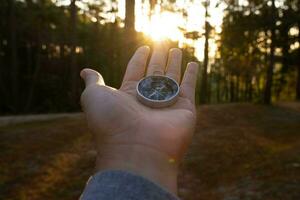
{"points": [[239, 151], [244, 151]]}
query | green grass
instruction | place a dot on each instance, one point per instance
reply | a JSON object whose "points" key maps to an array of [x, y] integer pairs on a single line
{"points": [[239, 151]]}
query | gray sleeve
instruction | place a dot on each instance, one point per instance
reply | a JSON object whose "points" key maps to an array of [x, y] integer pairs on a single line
{"points": [[121, 185]]}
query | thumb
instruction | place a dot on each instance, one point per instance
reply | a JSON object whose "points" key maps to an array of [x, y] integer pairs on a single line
{"points": [[91, 77]]}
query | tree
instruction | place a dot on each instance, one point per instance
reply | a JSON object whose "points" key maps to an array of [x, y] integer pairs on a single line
{"points": [[269, 77], [13, 54], [73, 63], [203, 88], [130, 17], [298, 66]]}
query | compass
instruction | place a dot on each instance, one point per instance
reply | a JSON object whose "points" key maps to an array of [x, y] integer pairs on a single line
{"points": [[157, 91]]}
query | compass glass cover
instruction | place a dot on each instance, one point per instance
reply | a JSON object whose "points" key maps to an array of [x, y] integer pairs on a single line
{"points": [[158, 88]]}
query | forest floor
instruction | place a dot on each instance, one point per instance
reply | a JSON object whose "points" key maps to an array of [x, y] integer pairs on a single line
{"points": [[239, 151]]}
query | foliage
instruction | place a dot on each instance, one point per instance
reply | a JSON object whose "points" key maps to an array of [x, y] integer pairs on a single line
{"points": [[245, 49], [43, 46], [43, 53]]}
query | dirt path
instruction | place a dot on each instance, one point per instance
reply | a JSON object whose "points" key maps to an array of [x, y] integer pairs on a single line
{"points": [[10, 120], [239, 151]]}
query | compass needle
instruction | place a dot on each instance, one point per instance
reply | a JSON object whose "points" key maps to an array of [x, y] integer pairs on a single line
{"points": [[157, 91]]}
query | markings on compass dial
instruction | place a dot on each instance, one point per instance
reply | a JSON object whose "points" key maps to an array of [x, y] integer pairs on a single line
{"points": [[157, 88]]}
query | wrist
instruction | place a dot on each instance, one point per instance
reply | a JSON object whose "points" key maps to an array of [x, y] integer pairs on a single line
{"points": [[141, 160]]}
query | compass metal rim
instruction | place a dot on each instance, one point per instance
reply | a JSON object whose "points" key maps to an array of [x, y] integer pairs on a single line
{"points": [[157, 103]]}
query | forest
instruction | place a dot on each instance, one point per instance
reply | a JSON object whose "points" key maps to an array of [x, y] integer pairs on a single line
{"points": [[45, 43]]}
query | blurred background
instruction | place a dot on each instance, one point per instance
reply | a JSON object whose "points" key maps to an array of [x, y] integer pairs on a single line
{"points": [[247, 142], [248, 49]]}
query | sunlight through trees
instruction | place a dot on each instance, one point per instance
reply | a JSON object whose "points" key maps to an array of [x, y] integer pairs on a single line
{"points": [[248, 50]]}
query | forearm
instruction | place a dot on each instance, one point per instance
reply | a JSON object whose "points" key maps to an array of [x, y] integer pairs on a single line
{"points": [[140, 160]]}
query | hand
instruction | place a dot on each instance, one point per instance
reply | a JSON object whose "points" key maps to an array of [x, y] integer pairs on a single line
{"points": [[130, 136]]}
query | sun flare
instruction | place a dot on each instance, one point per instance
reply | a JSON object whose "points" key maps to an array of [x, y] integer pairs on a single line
{"points": [[163, 26], [160, 24]]}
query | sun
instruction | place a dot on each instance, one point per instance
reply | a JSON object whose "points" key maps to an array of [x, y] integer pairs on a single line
{"points": [[163, 26], [158, 24]]}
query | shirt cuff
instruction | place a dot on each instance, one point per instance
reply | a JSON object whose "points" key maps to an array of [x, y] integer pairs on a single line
{"points": [[122, 185]]}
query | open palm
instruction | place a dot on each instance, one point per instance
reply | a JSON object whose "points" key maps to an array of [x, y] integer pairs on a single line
{"points": [[119, 121]]}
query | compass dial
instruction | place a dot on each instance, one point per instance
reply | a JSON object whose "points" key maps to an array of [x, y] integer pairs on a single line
{"points": [[157, 89]]}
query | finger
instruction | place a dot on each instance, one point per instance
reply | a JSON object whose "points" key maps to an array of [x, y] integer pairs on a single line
{"points": [[158, 60], [174, 64], [189, 81], [137, 64], [91, 77]]}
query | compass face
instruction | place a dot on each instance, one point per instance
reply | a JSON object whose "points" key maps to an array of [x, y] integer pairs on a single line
{"points": [[158, 88]]}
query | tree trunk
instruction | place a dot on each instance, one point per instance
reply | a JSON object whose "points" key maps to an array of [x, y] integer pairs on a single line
{"points": [[250, 97], [218, 97], [13, 55], [226, 90], [249, 89], [152, 4], [128, 41], [203, 88], [129, 15], [36, 72], [284, 60], [237, 88], [232, 93], [208, 88], [73, 63], [298, 69], [298, 82], [269, 78], [3, 85], [245, 89]]}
